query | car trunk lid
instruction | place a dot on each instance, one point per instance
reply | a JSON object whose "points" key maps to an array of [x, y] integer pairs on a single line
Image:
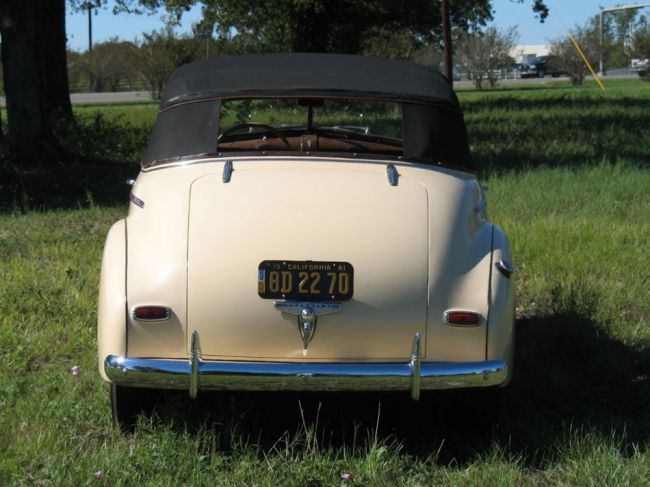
{"points": [[307, 212]]}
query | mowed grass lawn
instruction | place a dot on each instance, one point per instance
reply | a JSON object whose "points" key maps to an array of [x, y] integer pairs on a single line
{"points": [[568, 179]]}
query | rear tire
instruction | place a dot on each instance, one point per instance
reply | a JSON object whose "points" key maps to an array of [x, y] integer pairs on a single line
{"points": [[127, 403]]}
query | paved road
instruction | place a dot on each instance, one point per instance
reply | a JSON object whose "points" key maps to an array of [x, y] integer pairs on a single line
{"points": [[121, 96], [546, 80], [130, 96], [510, 82]]}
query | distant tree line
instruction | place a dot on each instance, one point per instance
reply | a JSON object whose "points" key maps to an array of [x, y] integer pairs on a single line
{"points": [[112, 64], [481, 54]]}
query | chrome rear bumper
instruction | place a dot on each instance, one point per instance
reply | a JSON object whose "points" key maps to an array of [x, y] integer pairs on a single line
{"points": [[195, 375]]}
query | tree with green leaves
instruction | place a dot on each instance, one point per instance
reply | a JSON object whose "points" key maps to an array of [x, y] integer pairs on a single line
{"points": [[160, 54], [484, 54], [108, 64], [566, 56], [641, 45], [346, 26]]}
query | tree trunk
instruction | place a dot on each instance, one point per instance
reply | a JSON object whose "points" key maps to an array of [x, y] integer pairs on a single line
{"points": [[52, 46], [24, 86], [33, 36]]}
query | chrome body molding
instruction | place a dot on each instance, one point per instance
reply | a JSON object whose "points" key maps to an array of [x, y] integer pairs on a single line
{"points": [[481, 205], [297, 307], [136, 201], [195, 374], [505, 267]]}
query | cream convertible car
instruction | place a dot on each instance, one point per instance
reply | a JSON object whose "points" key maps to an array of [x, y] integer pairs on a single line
{"points": [[305, 222]]}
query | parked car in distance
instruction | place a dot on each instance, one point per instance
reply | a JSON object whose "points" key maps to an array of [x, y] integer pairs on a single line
{"points": [[305, 222], [640, 66], [540, 67]]}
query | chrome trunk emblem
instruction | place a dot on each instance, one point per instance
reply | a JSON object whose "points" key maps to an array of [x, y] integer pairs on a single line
{"points": [[307, 324], [307, 314]]}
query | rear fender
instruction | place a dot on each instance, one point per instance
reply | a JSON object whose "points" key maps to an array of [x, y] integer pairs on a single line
{"points": [[501, 326], [111, 319], [460, 244]]}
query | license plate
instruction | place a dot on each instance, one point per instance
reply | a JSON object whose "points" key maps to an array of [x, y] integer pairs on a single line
{"points": [[305, 280]]}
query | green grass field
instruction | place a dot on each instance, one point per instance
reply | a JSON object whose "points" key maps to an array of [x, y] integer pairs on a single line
{"points": [[568, 178]]}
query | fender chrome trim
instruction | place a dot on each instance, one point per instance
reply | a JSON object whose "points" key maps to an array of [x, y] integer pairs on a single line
{"points": [[288, 376]]}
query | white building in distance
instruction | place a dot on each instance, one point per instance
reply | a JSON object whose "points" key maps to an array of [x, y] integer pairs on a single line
{"points": [[523, 54]]}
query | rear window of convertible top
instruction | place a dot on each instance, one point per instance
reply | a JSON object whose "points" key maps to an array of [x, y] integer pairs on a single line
{"points": [[321, 124]]}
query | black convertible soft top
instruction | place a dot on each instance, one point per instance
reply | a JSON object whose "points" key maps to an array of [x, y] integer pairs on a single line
{"points": [[302, 74], [433, 128]]}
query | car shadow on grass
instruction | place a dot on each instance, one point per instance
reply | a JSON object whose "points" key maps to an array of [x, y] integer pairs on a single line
{"points": [[570, 374], [65, 184]]}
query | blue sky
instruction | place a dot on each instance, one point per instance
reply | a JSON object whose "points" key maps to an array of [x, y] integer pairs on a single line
{"points": [[563, 15]]}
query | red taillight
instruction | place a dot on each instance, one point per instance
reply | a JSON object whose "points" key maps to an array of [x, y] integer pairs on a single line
{"points": [[462, 318], [152, 313]]}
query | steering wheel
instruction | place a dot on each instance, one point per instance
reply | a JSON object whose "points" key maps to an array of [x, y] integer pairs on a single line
{"points": [[252, 126]]}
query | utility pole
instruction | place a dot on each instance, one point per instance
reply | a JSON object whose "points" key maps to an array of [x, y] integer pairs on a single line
{"points": [[601, 63], [206, 36], [601, 67], [446, 39], [89, 6]]}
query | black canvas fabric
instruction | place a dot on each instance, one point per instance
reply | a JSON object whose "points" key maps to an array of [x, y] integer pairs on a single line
{"points": [[433, 126], [433, 134], [268, 75], [187, 130]]}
